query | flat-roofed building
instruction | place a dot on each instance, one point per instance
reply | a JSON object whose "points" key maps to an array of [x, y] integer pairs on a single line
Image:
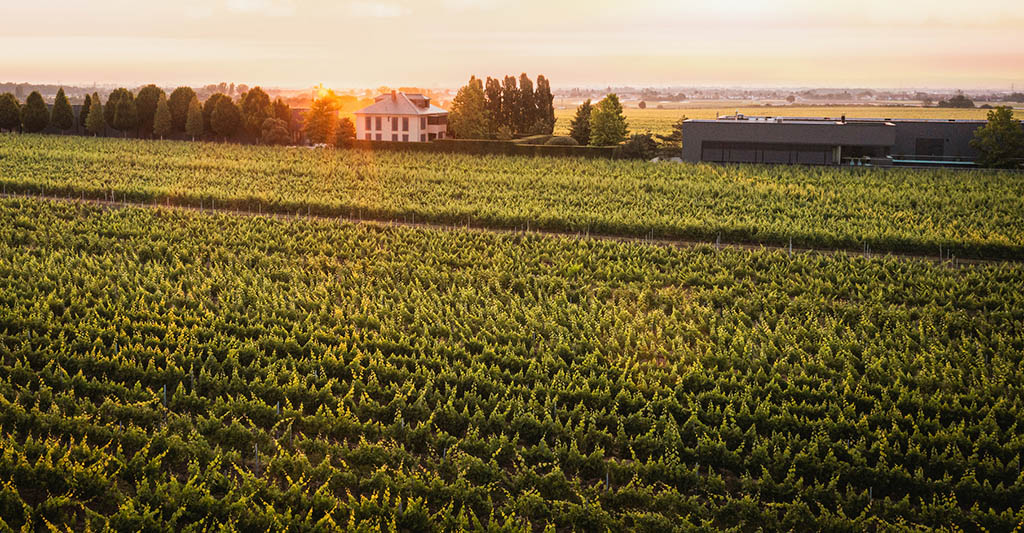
{"points": [[830, 141], [401, 117]]}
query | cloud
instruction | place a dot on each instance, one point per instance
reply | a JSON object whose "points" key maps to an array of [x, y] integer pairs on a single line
{"points": [[270, 8], [377, 10]]}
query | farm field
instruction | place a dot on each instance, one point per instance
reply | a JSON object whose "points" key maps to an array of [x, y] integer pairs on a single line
{"points": [[185, 371], [660, 121], [977, 214]]}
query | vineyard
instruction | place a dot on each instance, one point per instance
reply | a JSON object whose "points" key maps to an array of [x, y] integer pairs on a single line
{"points": [[976, 214], [161, 370]]}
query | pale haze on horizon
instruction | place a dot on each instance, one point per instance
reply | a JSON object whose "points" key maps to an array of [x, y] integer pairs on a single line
{"points": [[361, 43]]}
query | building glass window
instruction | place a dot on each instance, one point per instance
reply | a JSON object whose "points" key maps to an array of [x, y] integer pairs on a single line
{"points": [[368, 126], [423, 138], [367, 136], [394, 123], [423, 123], [394, 137], [405, 138], [378, 127], [405, 123], [378, 136]]}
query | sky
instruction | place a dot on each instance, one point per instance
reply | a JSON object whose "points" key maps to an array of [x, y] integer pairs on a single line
{"points": [[440, 43]]}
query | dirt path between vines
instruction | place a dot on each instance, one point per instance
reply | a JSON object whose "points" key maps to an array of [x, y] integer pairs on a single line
{"points": [[682, 243]]}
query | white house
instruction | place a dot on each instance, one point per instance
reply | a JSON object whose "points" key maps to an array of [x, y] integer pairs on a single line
{"points": [[401, 117]]}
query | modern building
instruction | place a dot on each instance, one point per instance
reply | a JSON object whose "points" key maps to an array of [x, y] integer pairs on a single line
{"points": [[401, 117], [830, 141]]}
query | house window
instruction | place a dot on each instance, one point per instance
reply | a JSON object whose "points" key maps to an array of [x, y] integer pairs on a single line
{"points": [[423, 123], [368, 126], [440, 135], [394, 137], [394, 123], [423, 138], [405, 138], [368, 137], [405, 123], [378, 127], [378, 136]]}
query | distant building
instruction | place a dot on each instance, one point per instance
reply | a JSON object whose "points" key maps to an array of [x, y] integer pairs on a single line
{"points": [[401, 117], [830, 141]]}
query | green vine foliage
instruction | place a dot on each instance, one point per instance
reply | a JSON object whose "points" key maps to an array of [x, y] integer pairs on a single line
{"points": [[976, 214], [164, 371]]}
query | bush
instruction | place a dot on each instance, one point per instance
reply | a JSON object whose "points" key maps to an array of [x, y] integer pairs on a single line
{"points": [[640, 146], [562, 141], [275, 131]]}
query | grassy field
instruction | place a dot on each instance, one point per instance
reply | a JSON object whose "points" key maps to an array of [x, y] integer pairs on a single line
{"points": [[968, 214], [660, 120], [191, 372]]}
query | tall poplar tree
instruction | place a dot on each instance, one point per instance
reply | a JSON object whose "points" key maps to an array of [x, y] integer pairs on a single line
{"points": [[194, 120], [545, 102], [162, 125], [111, 107], [526, 111], [83, 113], [62, 116], [509, 102], [492, 97], [96, 121]]}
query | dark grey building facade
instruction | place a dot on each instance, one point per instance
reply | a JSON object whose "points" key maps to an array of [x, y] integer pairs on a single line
{"points": [[830, 141]]}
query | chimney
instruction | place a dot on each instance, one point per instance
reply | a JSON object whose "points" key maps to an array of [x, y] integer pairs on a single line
{"points": [[394, 96]]}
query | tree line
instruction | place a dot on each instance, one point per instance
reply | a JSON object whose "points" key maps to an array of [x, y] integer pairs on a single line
{"points": [[151, 113], [502, 109]]}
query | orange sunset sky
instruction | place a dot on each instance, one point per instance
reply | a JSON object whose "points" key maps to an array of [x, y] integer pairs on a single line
{"points": [[361, 43]]}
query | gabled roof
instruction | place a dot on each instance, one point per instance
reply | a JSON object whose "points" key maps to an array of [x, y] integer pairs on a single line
{"points": [[400, 104]]}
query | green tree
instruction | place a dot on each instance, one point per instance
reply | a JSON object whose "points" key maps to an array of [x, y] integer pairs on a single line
{"points": [[492, 96], [194, 120], [526, 111], [545, 102], [674, 141], [579, 127], [178, 102], [607, 123], [145, 102], [84, 112], [321, 121], [162, 125], [958, 101], [111, 108], [62, 116], [10, 112], [509, 102], [209, 105], [467, 118], [282, 111], [275, 131], [255, 110], [346, 134], [226, 118], [1000, 143], [34, 115], [126, 115], [96, 121]]}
